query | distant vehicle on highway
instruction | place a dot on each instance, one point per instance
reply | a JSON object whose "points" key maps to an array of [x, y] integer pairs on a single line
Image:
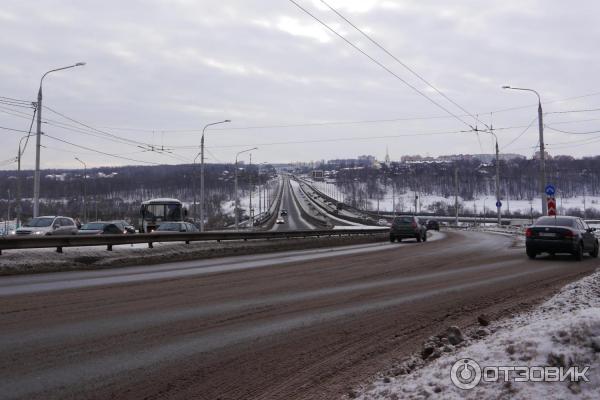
{"points": [[156, 211], [283, 212], [181, 226], [383, 222], [280, 221], [406, 227], [433, 225], [561, 235], [102, 228], [48, 225]]}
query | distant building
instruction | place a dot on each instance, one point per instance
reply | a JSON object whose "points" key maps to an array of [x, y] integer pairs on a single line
{"points": [[317, 175]]}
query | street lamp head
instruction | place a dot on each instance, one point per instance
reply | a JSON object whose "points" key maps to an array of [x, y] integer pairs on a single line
{"points": [[506, 87], [227, 120], [80, 64]]}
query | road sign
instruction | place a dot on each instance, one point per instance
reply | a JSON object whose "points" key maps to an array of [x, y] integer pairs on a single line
{"points": [[498, 204], [550, 190], [551, 206]]}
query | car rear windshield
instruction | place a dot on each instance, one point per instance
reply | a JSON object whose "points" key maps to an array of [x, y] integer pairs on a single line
{"points": [[403, 220], [39, 222], [556, 221], [169, 226]]}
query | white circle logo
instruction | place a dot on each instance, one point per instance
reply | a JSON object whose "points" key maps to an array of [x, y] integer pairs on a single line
{"points": [[465, 373]]}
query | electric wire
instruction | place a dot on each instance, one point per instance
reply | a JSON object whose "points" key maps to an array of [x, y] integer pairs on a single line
{"points": [[380, 64], [386, 51]]}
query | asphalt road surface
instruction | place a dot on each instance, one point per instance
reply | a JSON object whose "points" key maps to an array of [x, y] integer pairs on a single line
{"points": [[301, 325], [293, 220]]}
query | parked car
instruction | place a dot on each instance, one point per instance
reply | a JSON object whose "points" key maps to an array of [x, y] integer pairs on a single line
{"points": [[283, 212], [128, 227], [48, 225], [561, 235], [280, 221], [406, 227], [102, 228], [178, 226], [433, 225]]}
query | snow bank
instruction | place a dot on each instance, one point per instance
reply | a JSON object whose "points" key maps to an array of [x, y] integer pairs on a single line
{"points": [[562, 332]]}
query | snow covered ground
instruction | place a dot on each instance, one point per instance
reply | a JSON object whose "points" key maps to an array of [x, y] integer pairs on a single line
{"points": [[562, 332], [405, 202]]}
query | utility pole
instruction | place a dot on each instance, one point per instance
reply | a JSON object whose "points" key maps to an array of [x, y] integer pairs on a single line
{"points": [[542, 148], [498, 207], [251, 193], [84, 189], [202, 172], [194, 177], [18, 207], [456, 196], [38, 141], [237, 199], [8, 206]]}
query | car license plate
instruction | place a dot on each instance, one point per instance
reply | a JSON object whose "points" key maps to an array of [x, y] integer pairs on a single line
{"points": [[547, 234]]}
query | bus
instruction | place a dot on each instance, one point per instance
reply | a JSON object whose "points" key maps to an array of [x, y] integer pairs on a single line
{"points": [[155, 211]]}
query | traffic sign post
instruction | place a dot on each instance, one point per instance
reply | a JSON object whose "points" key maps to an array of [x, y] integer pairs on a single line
{"points": [[551, 206]]}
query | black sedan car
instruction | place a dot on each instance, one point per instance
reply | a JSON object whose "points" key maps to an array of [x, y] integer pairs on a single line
{"points": [[433, 225], [561, 235], [102, 228]]}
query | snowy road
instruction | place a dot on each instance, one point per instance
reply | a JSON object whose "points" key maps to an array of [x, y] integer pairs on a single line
{"points": [[293, 220], [299, 325]]}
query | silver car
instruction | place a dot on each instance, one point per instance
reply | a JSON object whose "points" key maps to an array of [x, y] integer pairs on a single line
{"points": [[48, 225]]}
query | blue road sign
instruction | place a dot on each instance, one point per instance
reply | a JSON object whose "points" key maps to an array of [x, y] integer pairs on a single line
{"points": [[498, 204], [550, 190]]}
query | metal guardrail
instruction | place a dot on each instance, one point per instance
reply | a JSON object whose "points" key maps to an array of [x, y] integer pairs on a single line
{"points": [[13, 243]]}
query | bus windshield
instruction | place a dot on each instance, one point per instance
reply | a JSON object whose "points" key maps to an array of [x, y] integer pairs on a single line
{"points": [[164, 212]]}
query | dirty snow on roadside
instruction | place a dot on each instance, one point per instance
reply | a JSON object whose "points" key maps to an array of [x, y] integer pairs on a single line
{"points": [[562, 332]]}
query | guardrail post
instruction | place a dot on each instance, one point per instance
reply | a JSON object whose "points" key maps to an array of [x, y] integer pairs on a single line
{"points": [[150, 245], [59, 249], [109, 247]]}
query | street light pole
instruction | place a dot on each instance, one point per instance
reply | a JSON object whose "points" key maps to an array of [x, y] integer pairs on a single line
{"points": [[38, 144], [84, 189], [202, 172], [542, 148], [236, 204]]}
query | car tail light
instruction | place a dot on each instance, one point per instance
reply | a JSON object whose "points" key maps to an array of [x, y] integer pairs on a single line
{"points": [[569, 234], [528, 232], [414, 225]]}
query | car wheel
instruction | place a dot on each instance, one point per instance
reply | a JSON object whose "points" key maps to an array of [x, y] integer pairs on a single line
{"points": [[392, 239], [579, 252], [425, 237], [594, 253], [399, 240], [419, 238], [531, 254]]}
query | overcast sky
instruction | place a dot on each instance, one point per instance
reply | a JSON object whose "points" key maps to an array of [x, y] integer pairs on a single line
{"points": [[158, 71]]}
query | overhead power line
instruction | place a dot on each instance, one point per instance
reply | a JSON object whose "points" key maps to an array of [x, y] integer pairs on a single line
{"points": [[571, 133], [411, 70], [520, 134], [380, 64], [573, 111], [98, 151]]}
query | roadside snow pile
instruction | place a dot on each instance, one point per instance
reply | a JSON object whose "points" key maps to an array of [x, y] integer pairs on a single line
{"points": [[562, 332]]}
